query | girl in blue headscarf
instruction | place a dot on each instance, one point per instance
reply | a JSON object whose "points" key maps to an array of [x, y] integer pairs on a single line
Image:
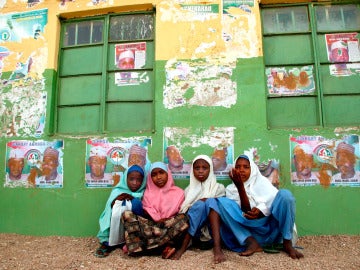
{"points": [[127, 194]]}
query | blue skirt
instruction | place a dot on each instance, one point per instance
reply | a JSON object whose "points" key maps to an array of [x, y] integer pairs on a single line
{"points": [[235, 228]]}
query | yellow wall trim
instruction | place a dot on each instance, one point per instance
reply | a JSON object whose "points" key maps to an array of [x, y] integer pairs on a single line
{"points": [[102, 11]]}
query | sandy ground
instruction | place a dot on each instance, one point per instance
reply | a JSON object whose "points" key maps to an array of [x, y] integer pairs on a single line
{"points": [[33, 252]]}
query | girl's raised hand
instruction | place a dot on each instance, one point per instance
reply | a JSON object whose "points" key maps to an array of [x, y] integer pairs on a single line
{"points": [[254, 213], [235, 177]]}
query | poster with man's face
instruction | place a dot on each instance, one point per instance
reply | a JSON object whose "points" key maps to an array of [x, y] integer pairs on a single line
{"points": [[130, 55], [182, 145], [36, 164], [106, 161], [328, 162]]}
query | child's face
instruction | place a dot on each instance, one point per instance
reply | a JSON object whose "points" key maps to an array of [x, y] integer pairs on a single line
{"points": [[201, 170], [242, 165], [159, 177], [134, 181]]}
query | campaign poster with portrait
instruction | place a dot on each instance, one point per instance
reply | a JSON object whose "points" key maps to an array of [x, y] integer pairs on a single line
{"points": [[311, 160], [343, 49], [106, 160], [347, 162], [182, 145], [130, 55], [37, 164], [327, 162], [290, 81]]}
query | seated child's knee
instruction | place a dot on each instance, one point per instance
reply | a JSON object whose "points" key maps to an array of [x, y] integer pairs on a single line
{"points": [[286, 195]]}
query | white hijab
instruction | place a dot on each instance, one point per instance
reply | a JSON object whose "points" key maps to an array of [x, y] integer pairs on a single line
{"points": [[197, 190], [260, 191]]}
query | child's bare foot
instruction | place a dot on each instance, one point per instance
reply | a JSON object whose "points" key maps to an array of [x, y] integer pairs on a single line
{"points": [[219, 255], [292, 252], [177, 255], [252, 246]]}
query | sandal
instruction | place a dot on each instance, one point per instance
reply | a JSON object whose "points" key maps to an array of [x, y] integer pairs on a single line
{"points": [[103, 251], [168, 252], [272, 248]]}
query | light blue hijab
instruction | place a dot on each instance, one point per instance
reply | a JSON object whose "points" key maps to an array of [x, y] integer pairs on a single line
{"points": [[121, 187]]}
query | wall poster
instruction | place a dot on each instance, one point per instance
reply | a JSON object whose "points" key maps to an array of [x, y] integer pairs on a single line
{"points": [[290, 81], [34, 164], [106, 160], [343, 48], [182, 145], [328, 162]]}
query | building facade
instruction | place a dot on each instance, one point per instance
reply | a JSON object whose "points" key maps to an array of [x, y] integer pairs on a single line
{"points": [[89, 87]]}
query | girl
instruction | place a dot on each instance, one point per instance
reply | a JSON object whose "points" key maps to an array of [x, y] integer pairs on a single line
{"points": [[128, 192], [201, 207], [265, 216], [162, 222]]}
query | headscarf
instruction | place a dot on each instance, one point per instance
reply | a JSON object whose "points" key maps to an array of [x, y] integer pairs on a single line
{"points": [[162, 202], [121, 187], [259, 189], [198, 190]]}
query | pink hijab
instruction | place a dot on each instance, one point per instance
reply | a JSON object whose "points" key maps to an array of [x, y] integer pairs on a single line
{"points": [[162, 202]]}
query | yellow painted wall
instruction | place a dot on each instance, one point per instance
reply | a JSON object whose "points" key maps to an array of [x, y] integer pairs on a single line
{"points": [[180, 33]]}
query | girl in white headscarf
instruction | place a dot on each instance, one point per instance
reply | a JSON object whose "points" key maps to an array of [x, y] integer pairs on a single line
{"points": [[255, 214], [201, 207]]}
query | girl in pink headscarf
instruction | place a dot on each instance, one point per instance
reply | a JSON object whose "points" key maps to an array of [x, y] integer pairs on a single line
{"points": [[162, 224]]}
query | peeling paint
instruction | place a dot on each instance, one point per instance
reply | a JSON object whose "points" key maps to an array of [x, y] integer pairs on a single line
{"points": [[241, 40], [346, 130], [209, 84], [23, 108], [273, 147], [221, 41], [23, 97], [187, 137]]}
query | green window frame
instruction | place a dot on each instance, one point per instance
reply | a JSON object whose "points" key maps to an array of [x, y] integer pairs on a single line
{"points": [[96, 92], [303, 88]]}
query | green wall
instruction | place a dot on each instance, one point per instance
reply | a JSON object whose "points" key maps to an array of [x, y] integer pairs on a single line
{"points": [[74, 209]]}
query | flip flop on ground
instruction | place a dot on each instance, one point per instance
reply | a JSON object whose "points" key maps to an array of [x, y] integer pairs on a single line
{"points": [[103, 251]]}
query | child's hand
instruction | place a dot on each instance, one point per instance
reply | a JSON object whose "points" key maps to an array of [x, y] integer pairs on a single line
{"points": [[235, 177], [122, 197], [254, 213]]}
